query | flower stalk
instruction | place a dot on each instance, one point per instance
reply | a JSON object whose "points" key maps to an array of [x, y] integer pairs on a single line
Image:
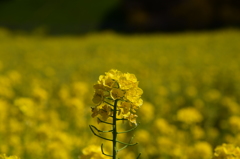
{"points": [[114, 132]]}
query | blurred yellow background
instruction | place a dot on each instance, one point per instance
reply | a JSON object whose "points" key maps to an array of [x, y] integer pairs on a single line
{"points": [[191, 84]]}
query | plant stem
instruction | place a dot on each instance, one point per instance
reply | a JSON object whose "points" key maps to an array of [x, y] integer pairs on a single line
{"points": [[115, 130]]}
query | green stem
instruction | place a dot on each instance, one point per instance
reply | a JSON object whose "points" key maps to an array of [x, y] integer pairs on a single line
{"points": [[115, 130]]}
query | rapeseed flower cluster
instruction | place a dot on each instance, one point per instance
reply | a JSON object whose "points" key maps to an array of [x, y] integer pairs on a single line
{"points": [[226, 151], [10, 157], [92, 152], [189, 115], [123, 87]]}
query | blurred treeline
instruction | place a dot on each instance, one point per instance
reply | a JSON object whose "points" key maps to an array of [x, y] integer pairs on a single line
{"points": [[173, 15], [81, 16]]}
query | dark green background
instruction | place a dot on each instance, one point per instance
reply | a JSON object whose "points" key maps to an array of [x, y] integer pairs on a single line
{"points": [[83, 16], [74, 16]]}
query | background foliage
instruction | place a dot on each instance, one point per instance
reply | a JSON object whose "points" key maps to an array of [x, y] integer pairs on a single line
{"points": [[75, 17]]}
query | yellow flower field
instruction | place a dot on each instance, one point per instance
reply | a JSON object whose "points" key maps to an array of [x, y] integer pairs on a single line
{"points": [[191, 99]]}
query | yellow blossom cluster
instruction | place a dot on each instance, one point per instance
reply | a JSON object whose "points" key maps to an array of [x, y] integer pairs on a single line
{"points": [[119, 87], [189, 115], [227, 151], [92, 152], [10, 157]]}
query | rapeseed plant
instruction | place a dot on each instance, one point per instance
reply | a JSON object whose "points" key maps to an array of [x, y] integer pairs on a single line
{"points": [[116, 96]]}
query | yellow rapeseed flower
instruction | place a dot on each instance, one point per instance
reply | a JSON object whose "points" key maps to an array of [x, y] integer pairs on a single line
{"points": [[98, 96], [125, 107], [131, 118], [116, 93], [105, 112]]}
